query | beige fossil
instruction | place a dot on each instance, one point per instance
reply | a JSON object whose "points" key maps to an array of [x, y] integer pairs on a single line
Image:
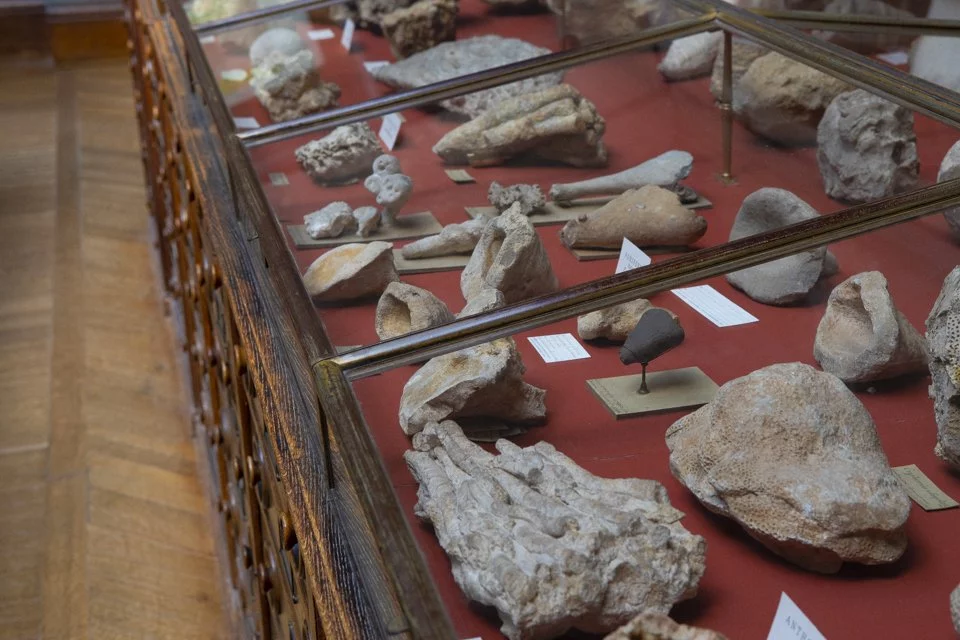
{"points": [[404, 308], [351, 271]]}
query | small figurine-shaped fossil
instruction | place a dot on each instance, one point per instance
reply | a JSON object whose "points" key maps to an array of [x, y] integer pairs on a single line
{"points": [[391, 187], [657, 332]]}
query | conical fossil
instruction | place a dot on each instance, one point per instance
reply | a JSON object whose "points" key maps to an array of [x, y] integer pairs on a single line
{"points": [[663, 171]]}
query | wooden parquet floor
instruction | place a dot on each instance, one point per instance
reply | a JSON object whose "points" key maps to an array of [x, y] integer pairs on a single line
{"points": [[104, 528]]}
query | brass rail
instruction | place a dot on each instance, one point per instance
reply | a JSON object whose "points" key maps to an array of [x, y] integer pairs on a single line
{"points": [[264, 13]]}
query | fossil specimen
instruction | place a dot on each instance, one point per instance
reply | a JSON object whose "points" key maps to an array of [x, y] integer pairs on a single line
{"points": [[370, 12], [331, 221], [342, 156], [419, 27], [479, 385], [866, 148], [454, 59], [486, 300], [351, 271], [863, 337], [391, 187], [613, 323], [955, 608], [657, 332], [509, 257], [649, 216], [404, 308], [286, 42], [950, 169], [790, 454], [943, 338], [787, 280], [743, 53], [548, 544], [555, 124], [659, 626], [872, 41], [529, 196], [598, 20], [666, 170], [453, 239], [368, 220], [692, 56], [290, 86]]}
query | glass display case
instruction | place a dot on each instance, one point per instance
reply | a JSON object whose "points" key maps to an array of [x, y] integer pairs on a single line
{"points": [[349, 316]]}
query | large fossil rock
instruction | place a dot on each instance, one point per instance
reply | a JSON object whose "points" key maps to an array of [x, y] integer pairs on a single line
{"points": [[551, 546], [791, 455], [420, 26], [286, 42], [955, 608], [866, 148], [867, 41], [743, 53], [453, 239], [289, 87], [659, 626], [787, 280], [509, 257], [863, 336], [331, 221], [351, 271], [666, 170], [649, 216], [404, 308], [556, 124], [950, 169], [943, 338], [342, 156], [481, 386], [470, 55], [783, 100], [529, 196], [613, 323], [691, 57]]}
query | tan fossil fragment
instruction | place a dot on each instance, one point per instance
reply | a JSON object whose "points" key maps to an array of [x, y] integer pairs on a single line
{"points": [[452, 240], [404, 308], [351, 271], [943, 338], [613, 323], [659, 626], [665, 170]]}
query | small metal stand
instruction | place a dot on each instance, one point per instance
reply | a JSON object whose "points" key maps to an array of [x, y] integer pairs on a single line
{"points": [[643, 378], [726, 110]]}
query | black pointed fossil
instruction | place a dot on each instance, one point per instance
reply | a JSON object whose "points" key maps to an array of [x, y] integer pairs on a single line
{"points": [[656, 332]]}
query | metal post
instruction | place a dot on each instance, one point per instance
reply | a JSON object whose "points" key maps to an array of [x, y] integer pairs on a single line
{"points": [[726, 109]]}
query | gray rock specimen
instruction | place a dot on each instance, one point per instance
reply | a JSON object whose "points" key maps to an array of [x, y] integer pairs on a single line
{"points": [[371, 12], [791, 455], [863, 336], [657, 332], [943, 338], [787, 280], [286, 42], [452, 240], [950, 169], [486, 300], [367, 219], [477, 385], [744, 52], [597, 20], [342, 156], [783, 100], [955, 608], [866, 148], [613, 323], [404, 308], [509, 257], [692, 56], [649, 217], [419, 27], [529, 196], [556, 124], [935, 58], [659, 626], [666, 170], [289, 87], [866, 42], [454, 59], [331, 221], [548, 544], [391, 187], [351, 272]]}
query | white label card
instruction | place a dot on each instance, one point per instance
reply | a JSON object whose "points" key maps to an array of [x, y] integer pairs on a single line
{"points": [[234, 75], [631, 257], [208, 39], [559, 347], [714, 306], [895, 57], [373, 65], [320, 34], [279, 179], [789, 623], [347, 38], [390, 130], [246, 123]]}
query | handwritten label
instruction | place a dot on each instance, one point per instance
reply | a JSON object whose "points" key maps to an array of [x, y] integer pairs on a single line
{"points": [[714, 306], [373, 65], [459, 176], [208, 39], [246, 123], [347, 38], [631, 257], [894, 57], [390, 130], [559, 347], [921, 489], [234, 75], [279, 179], [320, 34], [789, 623]]}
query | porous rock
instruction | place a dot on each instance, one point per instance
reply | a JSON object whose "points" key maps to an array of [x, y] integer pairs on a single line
{"points": [[351, 271], [867, 42], [368, 220], [955, 608], [469, 55], [943, 338], [790, 454], [783, 100], [477, 385], [342, 156], [289, 87], [404, 308], [950, 169], [863, 336], [392, 188], [743, 53], [657, 332], [691, 57], [613, 323], [649, 216], [453, 239], [330, 221], [659, 626], [529, 196], [286, 42], [420, 26], [866, 148], [509, 257], [665, 170], [556, 124], [548, 544], [787, 280], [371, 12]]}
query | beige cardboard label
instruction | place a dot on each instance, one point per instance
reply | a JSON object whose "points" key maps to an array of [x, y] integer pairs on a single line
{"points": [[922, 490], [459, 176], [279, 179]]}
